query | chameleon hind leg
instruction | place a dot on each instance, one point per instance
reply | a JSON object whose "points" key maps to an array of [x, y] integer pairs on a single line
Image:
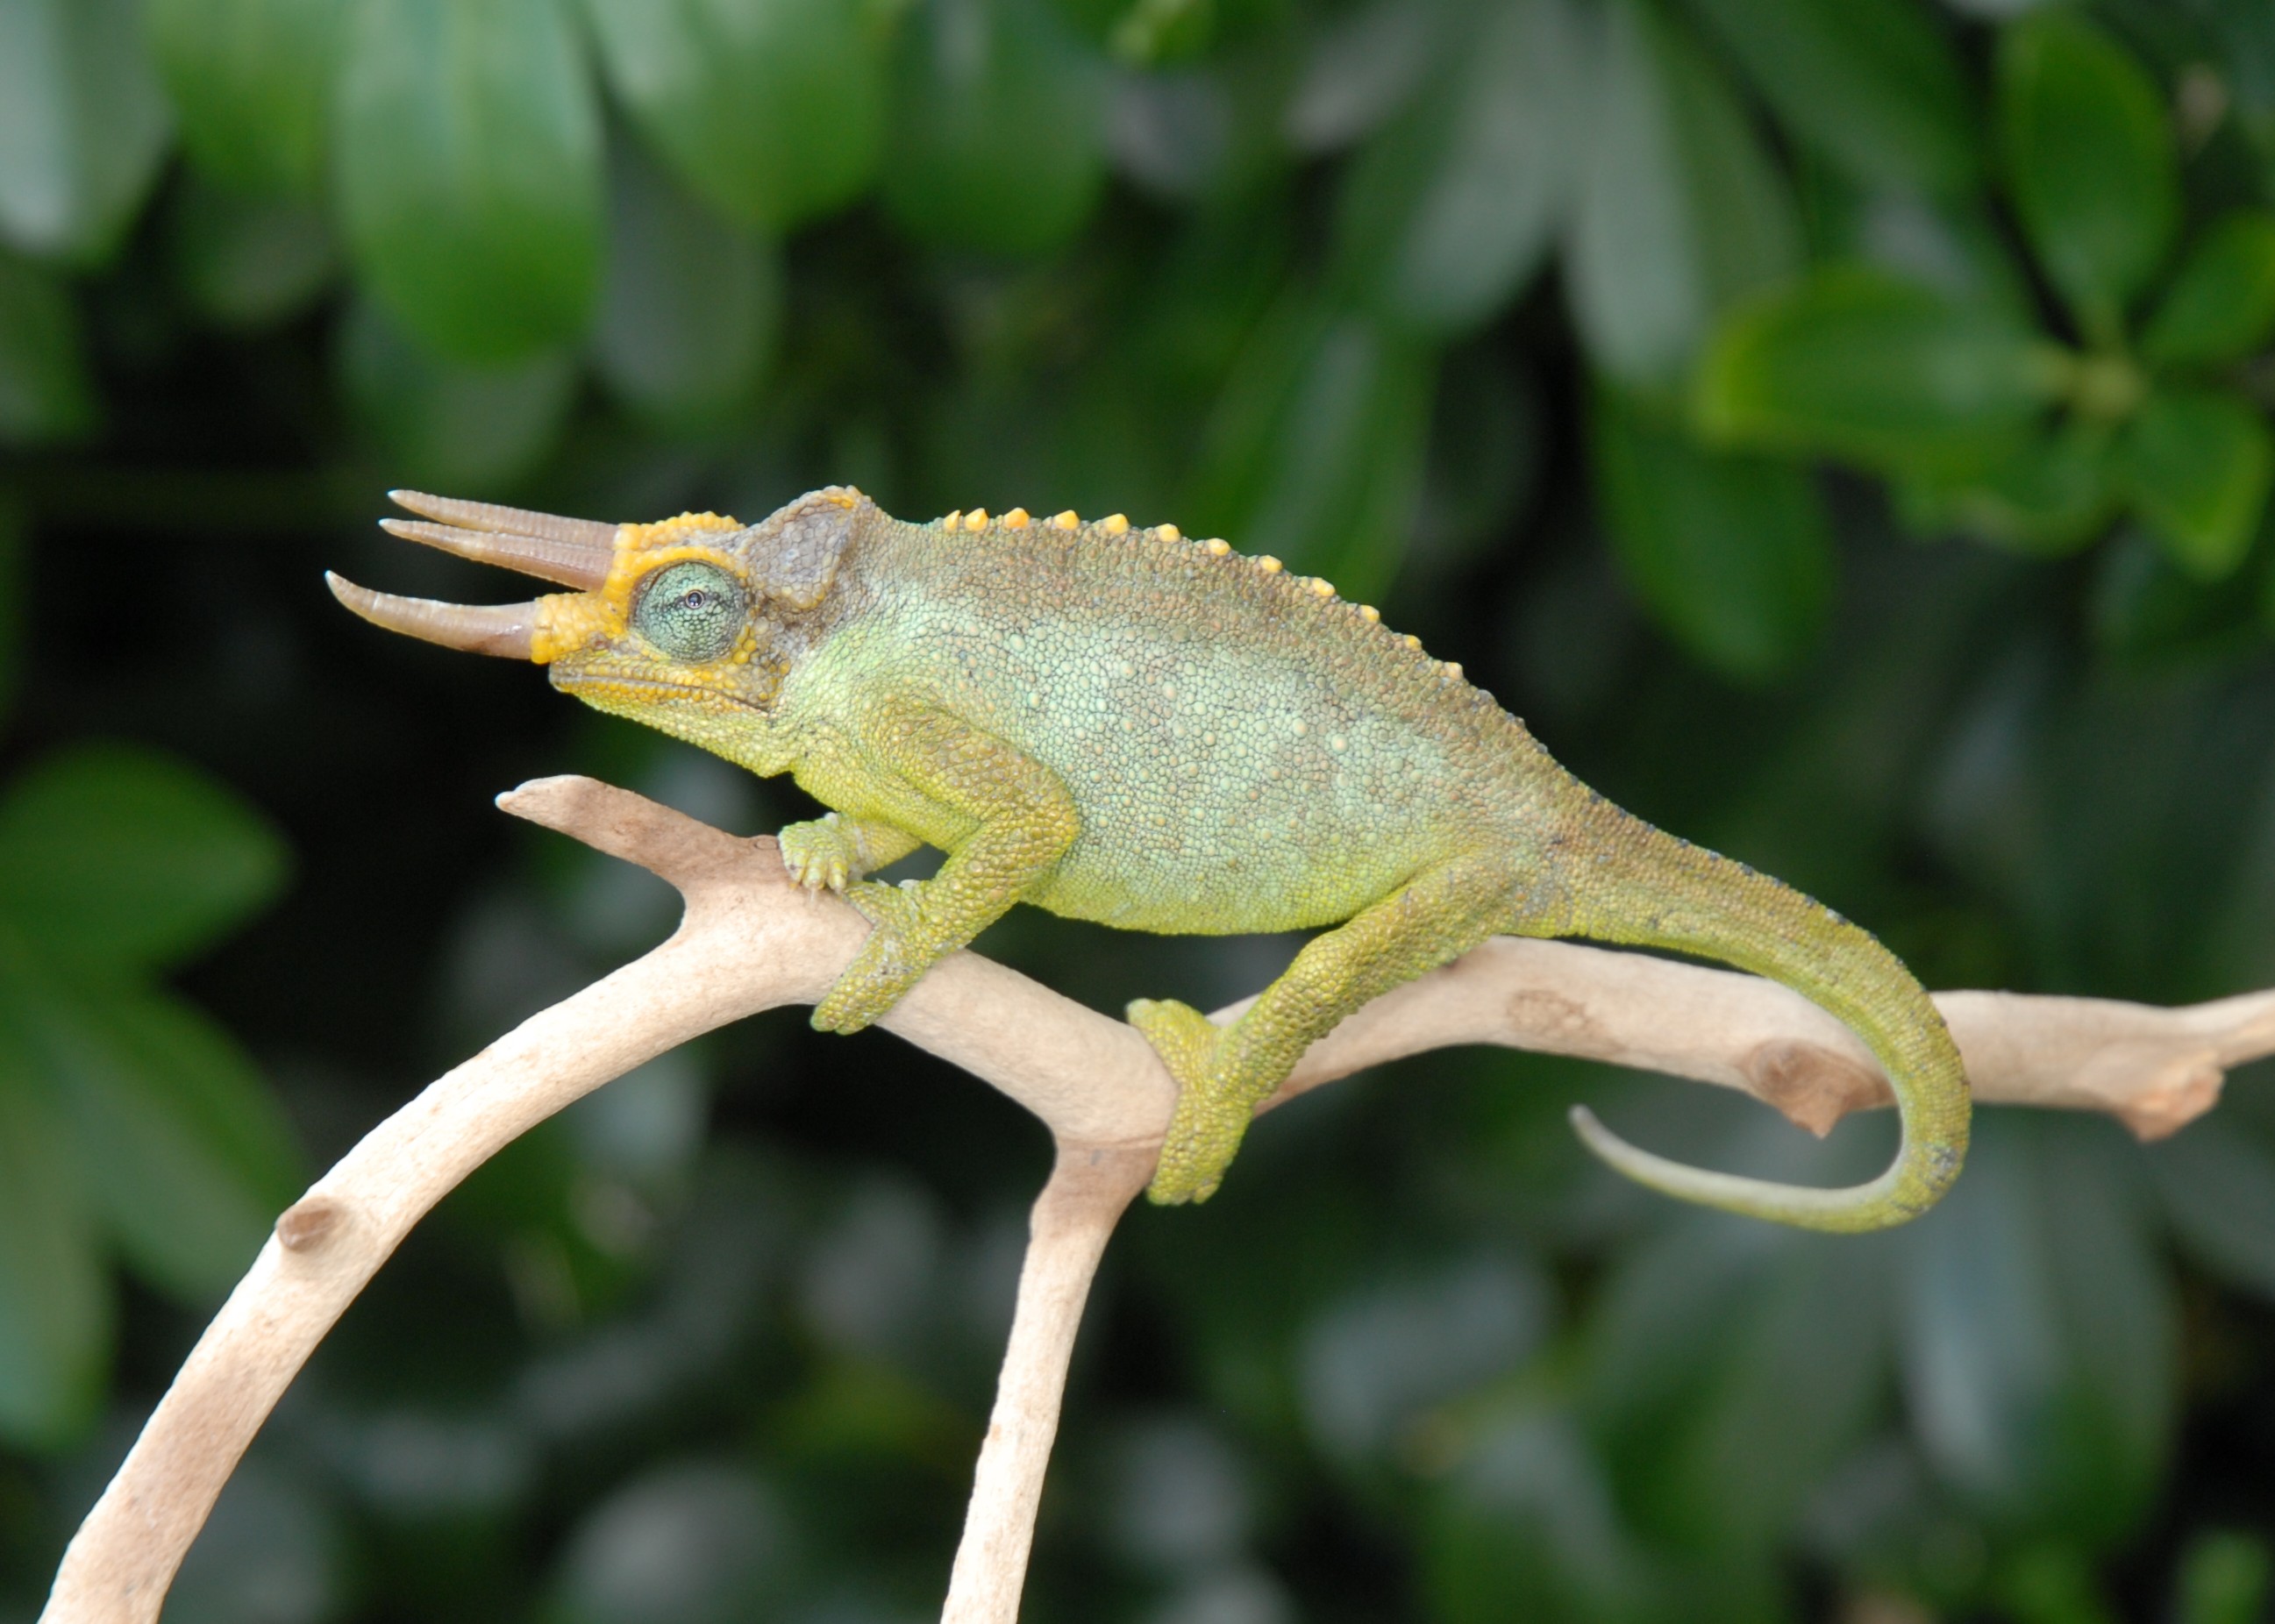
{"points": [[1223, 1073]]}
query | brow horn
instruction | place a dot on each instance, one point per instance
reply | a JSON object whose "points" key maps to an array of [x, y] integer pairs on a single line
{"points": [[573, 552], [506, 630]]}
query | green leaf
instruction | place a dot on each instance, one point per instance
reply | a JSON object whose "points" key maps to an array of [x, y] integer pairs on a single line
{"points": [[186, 1157], [1732, 1367], [2218, 1185], [2049, 497], [1797, 1390], [2050, 1581], [2225, 1576], [1375, 1362], [1855, 364], [469, 172], [1448, 211], [83, 126], [999, 130], [772, 110], [45, 394], [2221, 306], [2196, 466], [1871, 84], [452, 428], [252, 85], [1315, 451], [1980, 1327], [1526, 1527], [1731, 553], [13, 557], [115, 856], [1955, 248], [2089, 158], [2144, 611], [55, 1300], [1679, 209], [2120, 1329], [2039, 1333], [251, 262], [691, 306]]}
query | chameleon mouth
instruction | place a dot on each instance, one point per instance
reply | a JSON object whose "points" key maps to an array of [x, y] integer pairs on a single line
{"points": [[571, 552], [570, 682]]}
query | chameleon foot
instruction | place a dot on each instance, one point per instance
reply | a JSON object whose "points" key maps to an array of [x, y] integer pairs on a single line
{"points": [[888, 963], [1207, 1127], [826, 853]]}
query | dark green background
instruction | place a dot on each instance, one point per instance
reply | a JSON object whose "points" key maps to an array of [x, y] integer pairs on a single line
{"points": [[1839, 427]]}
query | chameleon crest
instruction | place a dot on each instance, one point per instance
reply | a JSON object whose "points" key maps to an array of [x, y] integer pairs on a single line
{"points": [[1126, 725]]}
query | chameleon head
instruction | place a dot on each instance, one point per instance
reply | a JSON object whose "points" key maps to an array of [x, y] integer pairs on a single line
{"points": [[692, 618]]}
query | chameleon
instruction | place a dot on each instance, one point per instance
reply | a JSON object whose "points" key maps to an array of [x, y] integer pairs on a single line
{"points": [[1128, 725]]}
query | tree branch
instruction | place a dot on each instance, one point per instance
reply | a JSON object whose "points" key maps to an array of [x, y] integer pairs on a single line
{"points": [[750, 940]]}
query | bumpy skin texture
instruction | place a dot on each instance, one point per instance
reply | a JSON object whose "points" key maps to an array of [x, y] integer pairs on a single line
{"points": [[1154, 732]]}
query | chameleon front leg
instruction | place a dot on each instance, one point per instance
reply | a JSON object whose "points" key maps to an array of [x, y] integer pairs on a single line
{"points": [[1020, 819], [1225, 1072]]}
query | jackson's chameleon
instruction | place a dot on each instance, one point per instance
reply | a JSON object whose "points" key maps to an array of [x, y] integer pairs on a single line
{"points": [[1131, 726]]}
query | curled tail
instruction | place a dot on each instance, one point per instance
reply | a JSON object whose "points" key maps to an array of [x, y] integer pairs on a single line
{"points": [[1631, 883]]}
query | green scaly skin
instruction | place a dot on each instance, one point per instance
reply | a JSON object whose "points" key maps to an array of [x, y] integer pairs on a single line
{"points": [[1131, 727]]}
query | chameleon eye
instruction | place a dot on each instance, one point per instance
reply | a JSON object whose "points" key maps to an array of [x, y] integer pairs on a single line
{"points": [[691, 612]]}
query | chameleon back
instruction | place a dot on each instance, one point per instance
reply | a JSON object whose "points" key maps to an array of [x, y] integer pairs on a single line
{"points": [[1247, 752]]}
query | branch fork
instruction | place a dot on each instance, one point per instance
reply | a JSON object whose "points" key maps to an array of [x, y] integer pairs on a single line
{"points": [[751, 938]]}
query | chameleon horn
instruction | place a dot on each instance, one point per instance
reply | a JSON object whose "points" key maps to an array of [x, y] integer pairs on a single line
{"points": [[568, 562], [506, 630], [574, 552], [515, 521]]}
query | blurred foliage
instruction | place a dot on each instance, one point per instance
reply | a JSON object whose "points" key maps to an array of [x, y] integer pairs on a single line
{"points": [[1842, 425]]}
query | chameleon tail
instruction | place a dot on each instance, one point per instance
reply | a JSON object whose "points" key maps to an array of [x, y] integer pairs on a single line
{"points": [[1634, 884]]}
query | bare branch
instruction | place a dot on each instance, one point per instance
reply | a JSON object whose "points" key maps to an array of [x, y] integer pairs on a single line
{"points": [[1072, 1220], [750, 940], [2154, 1069]]}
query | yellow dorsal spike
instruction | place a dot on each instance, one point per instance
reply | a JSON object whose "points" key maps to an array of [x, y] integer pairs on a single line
{"points": [[1323, 586], [1411, 641], [1368, 613], [1453, 667], [1219, 548], [977, 520], [1114, 524], [1016, 519], [952, 520], [1068, 520], [1168, 533], [1269, 565]]}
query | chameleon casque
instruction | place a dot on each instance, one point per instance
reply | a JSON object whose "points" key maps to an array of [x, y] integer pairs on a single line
{"points": [[1129, 726]]}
